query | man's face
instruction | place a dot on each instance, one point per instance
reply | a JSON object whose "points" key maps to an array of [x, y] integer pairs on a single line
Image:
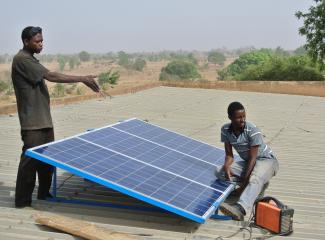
{"points": [[238, 119], [35, 44]]}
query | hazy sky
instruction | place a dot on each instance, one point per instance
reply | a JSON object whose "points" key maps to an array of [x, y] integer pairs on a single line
{"points": [[151, 25]]}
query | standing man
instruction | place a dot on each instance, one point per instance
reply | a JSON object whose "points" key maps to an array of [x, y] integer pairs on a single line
{"points": [[33, 104], [258, 167]]}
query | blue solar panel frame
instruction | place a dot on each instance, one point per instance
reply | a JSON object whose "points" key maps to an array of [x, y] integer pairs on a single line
{"points": [[200, 218]]}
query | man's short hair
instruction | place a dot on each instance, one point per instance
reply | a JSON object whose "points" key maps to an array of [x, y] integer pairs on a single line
{"points": [[233, 107], [30, 32]]}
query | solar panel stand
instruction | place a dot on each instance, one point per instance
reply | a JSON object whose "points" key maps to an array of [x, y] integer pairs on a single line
{"points": [[112, 205], [220, 217], [95, 203]]}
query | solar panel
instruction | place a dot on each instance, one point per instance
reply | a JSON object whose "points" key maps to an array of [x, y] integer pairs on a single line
{"points": [[147, 162]]}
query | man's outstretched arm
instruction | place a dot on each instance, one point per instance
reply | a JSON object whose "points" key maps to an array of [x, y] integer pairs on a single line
{"points": [[88, 80]]}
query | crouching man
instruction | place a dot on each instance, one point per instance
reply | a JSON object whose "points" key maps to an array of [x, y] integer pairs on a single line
{"points": [[258, 167]]}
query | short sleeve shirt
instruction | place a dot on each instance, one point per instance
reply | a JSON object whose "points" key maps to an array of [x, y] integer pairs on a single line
{"points": [[251, 136], [33, 99]]}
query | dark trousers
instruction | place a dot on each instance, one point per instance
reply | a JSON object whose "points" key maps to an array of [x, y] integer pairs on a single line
{"points": [[28, 167]]}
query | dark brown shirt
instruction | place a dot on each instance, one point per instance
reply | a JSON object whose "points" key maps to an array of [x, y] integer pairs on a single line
{"points": [[33, 99]]}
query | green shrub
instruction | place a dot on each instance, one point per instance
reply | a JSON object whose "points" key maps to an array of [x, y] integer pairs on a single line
{"points": [[58, 90], [266, 65], [243, 62], [283, 69], [108, 78], [179, 70]]}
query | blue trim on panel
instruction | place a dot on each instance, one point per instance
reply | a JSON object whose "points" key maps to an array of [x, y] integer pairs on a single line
{"points": [[225, 195], [216, 204], [134, 194], [221, 217]]}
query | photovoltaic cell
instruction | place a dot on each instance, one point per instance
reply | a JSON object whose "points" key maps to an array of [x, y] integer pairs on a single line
{"points": [[150, 163]]}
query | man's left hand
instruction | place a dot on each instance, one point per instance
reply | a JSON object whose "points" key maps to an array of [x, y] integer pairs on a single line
{"points": [[90, 82]]}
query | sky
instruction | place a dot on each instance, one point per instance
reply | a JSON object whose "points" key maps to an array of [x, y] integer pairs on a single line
{"points": [[101, 26]]}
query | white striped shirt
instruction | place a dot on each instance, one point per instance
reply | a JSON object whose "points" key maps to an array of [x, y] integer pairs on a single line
{"points": [[251, 136]]}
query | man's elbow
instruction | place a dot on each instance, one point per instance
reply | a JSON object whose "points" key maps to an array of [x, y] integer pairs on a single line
{"points": [[50, 76]]}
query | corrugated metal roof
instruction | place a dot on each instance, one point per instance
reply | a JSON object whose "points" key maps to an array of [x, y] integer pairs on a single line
{"points": [[294, 126]]}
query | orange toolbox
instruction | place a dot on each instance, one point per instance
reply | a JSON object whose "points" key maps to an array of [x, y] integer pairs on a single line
{"points": [[274, 216]]}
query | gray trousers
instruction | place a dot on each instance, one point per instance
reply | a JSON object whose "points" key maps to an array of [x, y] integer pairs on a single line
{"points": [[263, 171]]}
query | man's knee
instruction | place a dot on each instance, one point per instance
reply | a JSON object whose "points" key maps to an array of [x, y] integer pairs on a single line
{"points": [[256, 179], [265, 169]]}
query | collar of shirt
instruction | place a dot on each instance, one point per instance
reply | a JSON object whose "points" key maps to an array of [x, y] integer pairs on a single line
{"points": [[231, 130]]}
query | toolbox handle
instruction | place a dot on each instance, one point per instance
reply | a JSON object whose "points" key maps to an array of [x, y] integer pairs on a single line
{"points": [[278, 202]]}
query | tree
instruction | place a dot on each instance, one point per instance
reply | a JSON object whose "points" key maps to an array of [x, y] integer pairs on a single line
{"points": [[313, 29], [139, 64], [84, 56], [62, 61], [72, 62], [179, 69], [216, 57], [124, 59]]}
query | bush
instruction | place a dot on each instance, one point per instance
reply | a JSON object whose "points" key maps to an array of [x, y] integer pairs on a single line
{"points": [[243, 62], [216, 58], [108, 78], [264, 65], [283, 69], [58, 90], [179, 70], [139, 64]]}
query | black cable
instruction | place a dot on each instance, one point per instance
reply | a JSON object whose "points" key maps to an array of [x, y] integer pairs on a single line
{"points": [[63, 182]]}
